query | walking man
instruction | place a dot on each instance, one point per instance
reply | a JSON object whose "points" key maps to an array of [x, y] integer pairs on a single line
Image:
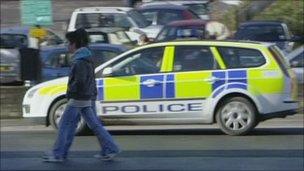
{"points": [[81, 94]]}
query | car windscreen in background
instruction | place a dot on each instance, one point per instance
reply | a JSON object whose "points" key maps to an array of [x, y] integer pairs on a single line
{"points": [[199, 9], [139, 19], [93, 20], [13, 41], [261, 33]]}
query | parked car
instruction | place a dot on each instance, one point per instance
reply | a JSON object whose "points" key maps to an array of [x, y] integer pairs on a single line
{"points": [[111, 35], [92, 17], [13, 39], [56, 60], [134, 3], [20, 37], [266, 31], [9, 65], [296, 60], [234, 84], [163, 14], [201, 8], [182, 29]]}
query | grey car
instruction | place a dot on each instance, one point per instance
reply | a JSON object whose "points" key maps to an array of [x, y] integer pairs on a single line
{"points": [[13, 39], [9, 65]]}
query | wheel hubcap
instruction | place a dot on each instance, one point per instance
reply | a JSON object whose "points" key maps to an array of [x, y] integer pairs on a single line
{"points": [[58, 115], [236, 115]]}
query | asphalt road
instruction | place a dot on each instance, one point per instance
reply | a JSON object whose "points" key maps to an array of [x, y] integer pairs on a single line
{"points": [[274, 145]]}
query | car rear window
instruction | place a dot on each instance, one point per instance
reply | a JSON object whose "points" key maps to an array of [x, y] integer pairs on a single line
{"points": [[241, 57], [280, 59], [13, 41], [261, 33]]}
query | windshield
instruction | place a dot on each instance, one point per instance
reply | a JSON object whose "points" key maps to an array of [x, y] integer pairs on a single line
{"points": [[13, 40], [199, 9], [93, 20], [261, 33], [171, 33], [119, 37], [139, 19], [116, 37]]}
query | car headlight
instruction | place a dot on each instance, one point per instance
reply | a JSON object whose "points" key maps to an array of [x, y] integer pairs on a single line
{"points": [[31, 93]]}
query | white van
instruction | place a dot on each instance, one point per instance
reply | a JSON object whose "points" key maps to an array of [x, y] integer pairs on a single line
{"points": [[95, 17]]}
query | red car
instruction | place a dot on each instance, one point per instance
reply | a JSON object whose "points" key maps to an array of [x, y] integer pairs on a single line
{"points": [[166, 13]]}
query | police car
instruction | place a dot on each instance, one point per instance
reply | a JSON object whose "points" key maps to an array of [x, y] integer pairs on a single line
{"points": [[235, 84]]}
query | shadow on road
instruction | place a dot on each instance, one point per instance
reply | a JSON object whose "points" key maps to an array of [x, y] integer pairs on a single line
{"points": [[255, 132]]}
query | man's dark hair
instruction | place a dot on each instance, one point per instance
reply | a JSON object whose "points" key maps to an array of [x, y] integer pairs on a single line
{"points": [[79, 37]]}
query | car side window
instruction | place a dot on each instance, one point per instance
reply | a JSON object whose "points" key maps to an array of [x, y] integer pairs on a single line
{"points": [[241, 57], [13, 40], [102, 56], [150, 15], [58, 60], [194, 58], [51, 39], [165, 17], [147, 61]]}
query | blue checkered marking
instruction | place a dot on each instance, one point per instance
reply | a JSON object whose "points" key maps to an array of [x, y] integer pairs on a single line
{"points": [[241, 86], [218, 91], [221, 75], [237, 79], [100, 90], [170, 86], [152, 92], [239, 76]]}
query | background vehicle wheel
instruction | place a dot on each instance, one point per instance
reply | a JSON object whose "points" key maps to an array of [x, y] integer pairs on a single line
{"points": [[236, 116], [56, 112]]}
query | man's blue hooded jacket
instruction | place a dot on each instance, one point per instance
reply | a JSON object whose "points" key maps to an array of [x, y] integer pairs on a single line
{"points": [[82, 85]]}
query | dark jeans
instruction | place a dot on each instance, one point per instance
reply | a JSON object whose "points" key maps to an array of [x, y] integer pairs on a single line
{"points": [[68, 125]]}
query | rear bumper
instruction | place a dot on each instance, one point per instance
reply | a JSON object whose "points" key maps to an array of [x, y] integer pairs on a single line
{"points": [[281, 114]]}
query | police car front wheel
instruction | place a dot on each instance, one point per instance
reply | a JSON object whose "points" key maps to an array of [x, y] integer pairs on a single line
{"points": [[236, 116], [56, 113]]}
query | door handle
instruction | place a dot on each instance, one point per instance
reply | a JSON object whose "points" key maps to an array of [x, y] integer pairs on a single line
{"points": [[212, 79], [151, 82]]}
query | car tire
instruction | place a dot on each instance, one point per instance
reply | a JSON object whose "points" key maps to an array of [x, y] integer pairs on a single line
{"points": [[236, 116], [56, 112]]}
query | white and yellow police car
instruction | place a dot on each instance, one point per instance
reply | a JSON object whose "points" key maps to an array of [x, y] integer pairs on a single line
{"points": [[236, 84]]}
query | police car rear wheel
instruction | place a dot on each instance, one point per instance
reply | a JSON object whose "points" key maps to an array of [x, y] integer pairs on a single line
{"points": [[56, 113], [236, 116]]}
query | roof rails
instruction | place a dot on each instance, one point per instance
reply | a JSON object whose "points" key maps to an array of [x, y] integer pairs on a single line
{"points": [[227, 40]]}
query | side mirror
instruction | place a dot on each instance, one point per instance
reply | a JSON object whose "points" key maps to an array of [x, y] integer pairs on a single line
{"points": [[107, 72]]}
